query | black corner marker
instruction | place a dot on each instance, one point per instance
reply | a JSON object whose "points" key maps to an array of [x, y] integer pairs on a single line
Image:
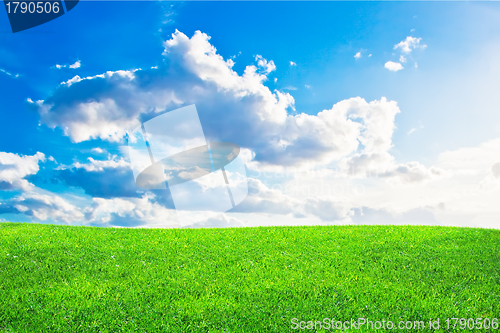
{"points": [[28, 14]]}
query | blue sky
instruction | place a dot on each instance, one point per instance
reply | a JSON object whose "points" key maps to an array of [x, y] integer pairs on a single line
{"points": [[448, 102]]}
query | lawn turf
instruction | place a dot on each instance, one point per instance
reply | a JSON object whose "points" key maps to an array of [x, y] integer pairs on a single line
{"points": [[89, 279]]}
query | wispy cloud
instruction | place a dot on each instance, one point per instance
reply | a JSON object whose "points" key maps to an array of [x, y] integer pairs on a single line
{"points": [[77, 64], [413, 129], [360, 53], [292, 63], [9, 73], [409, 44]]}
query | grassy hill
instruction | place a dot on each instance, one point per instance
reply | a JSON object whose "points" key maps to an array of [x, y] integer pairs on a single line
{"points": [[84, 279]]}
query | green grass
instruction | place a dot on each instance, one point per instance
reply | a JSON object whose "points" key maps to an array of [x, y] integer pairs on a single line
{"points": [[83, 279]]}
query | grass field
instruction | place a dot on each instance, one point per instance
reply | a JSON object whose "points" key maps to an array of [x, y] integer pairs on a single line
{"points": [[83, 279]]}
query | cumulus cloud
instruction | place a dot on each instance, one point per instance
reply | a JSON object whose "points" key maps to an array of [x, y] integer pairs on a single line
{"points": [[267, 66], [292, 63], [383, 165], [144, 211], [412, 172], [100, 178], [234, 108], [262, 199], [409, 44], [357, 55], [14, 168], [354, 134], [131, 212], [328, 209], [374, 159], [272, 201], [43, 207], [495, 168], [393, 66]]}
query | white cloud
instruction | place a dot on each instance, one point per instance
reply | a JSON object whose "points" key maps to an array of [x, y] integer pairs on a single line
{"points": [[413, 129], [413, 172], [100, 165], [328, 209], [9, 73], [402, 59], [495, 168], [219, 221], [471, 159], [98, 150], [374, 160], [100, 178], [268, 67], [307, 86], [131, 212], [357, 55], [14, 168], [43, 207], [292, 63], [144, 211], [393, 66], [354, 135], [409, 44], [262, 199], [197, 74], [382, 165], [75, 65]]}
